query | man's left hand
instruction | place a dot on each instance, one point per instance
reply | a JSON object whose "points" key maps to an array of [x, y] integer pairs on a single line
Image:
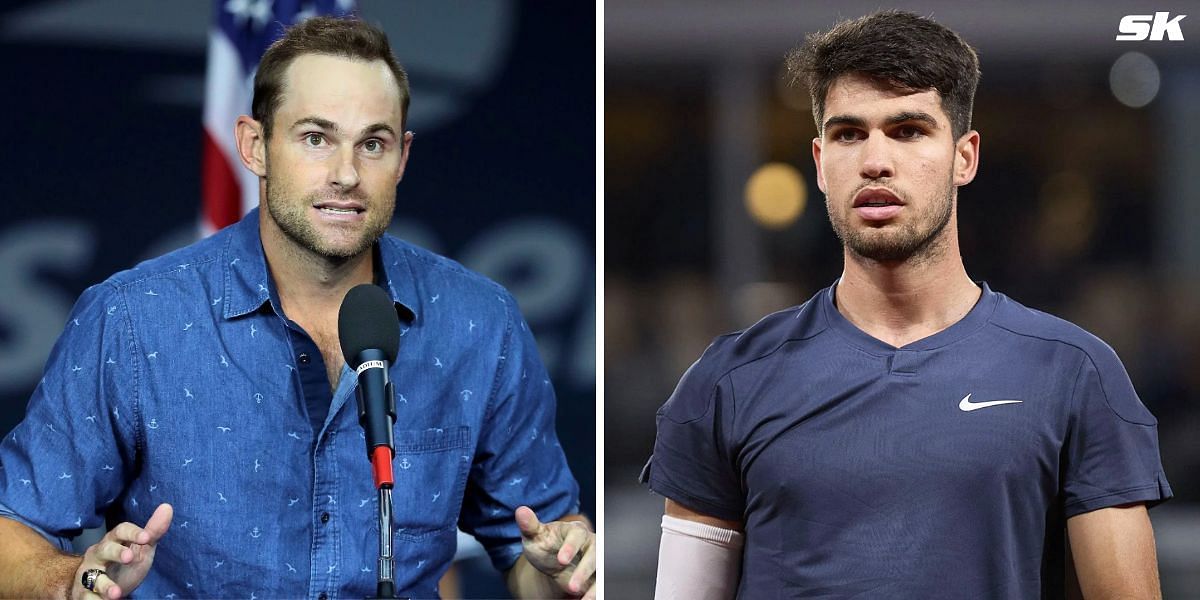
{"points": [[564, 551]]}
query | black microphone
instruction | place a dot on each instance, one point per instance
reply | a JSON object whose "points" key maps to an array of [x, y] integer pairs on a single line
{"points": [[369, 331]]}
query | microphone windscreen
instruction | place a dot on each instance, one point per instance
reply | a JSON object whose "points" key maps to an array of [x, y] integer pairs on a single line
{"points": [[367, 320]]}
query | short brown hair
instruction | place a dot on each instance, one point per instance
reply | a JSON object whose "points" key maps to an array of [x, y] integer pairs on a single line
{"points": [[899, 48], [348, 37]]}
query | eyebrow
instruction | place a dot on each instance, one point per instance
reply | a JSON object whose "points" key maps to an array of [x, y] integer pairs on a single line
{"points": [[895, 119], [331, 126]]}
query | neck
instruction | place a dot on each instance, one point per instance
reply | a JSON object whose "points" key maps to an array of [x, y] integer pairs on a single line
{"points": [[310, 286], [904, 301]]}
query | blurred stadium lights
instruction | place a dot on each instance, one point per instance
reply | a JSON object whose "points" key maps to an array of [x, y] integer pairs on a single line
{"points": [[776, 195], [1134, 79]]}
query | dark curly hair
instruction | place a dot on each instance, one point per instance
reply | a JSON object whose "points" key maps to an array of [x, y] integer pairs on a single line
{"points": [[899, 48]]}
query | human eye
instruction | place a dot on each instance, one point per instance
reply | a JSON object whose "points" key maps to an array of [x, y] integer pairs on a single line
{"points": [[314, 139], [847, 134], [373, 145], [909, 132]]}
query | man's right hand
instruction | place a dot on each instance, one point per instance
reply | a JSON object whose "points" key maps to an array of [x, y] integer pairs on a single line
{"points": [[125, 553]]}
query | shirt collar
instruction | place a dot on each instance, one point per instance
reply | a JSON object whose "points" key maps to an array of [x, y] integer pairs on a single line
{"points": [[395, 274], [248, 285]]}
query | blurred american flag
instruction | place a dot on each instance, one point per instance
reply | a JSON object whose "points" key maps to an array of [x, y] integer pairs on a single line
{"points": [[241, 31]]}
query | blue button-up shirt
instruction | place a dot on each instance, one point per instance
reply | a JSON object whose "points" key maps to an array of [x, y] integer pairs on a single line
{"points": [[177, 381]]}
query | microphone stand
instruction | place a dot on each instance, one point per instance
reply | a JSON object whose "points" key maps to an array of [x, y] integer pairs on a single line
{"points": [[369, 333], [377, 423], [386, 584]]}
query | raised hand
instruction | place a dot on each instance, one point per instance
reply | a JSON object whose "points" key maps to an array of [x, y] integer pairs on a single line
{"points": [[565, 551], [125, 553]]}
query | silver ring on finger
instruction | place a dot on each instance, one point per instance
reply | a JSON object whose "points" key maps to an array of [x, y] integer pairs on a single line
{"points": [[89, 578]]}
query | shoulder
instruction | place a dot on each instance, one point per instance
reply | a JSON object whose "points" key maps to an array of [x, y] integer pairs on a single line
{"points": [[769, 334], [732, 351], [1098, 376], [1096, 369], [1019, 320], [432, 269], [183, 263]]}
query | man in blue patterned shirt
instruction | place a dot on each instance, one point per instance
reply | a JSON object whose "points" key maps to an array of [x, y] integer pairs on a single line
{"points": [[196, 404]]}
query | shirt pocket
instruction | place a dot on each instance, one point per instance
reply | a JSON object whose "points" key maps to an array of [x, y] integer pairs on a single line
{"points": [[430, 470]]}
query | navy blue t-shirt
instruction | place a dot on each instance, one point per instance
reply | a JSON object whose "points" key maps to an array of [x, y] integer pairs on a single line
{"points": [[942, 469]]}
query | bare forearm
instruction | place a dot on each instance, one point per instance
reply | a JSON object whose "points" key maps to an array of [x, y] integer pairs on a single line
{"points": [[30, 567], [1142, 585], [1114, 555]]}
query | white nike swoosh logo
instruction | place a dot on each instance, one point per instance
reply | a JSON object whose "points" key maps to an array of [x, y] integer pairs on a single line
{"points": [[966, 405]]}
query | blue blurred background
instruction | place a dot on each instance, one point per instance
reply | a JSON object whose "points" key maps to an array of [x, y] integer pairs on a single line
{"points": [[101, 165], [1085, 206]]}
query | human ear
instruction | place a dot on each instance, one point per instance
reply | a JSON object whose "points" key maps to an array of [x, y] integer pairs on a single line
{"points": [[251, 145]]}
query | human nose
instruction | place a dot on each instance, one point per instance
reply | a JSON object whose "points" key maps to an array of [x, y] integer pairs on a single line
{"points": [[344, 171], [876, 158]]}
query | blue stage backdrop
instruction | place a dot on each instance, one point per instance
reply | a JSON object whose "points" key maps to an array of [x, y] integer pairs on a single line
{"points": [[102, 165]]}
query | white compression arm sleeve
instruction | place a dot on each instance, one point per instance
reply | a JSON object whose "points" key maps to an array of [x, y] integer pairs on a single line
{"points": [[697, 561]]}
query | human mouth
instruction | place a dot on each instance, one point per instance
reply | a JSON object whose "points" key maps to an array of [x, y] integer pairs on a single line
{"points": [[877, 204], [340, 211]]}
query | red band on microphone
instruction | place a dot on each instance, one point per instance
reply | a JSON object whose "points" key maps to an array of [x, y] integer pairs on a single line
{"points": [[381, 463]]}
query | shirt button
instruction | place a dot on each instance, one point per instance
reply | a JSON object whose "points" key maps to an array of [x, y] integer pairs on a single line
{"points": [[324, 517], [303, 358], [323, 596]]}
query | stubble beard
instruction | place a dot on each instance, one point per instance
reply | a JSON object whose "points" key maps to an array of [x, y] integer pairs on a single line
{"points": [[292, 217], [913, 241]]}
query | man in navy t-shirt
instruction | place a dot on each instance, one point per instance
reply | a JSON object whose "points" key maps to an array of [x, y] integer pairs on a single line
{"points": [[907, 432]]}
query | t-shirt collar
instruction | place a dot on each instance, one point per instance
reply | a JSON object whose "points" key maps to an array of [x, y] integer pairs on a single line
{"points": [[969, 324]]}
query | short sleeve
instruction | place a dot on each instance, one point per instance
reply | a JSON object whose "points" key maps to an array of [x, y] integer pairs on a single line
{"points": [[519, 460], [69, 458], [1112, 454], [691, 463]]}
